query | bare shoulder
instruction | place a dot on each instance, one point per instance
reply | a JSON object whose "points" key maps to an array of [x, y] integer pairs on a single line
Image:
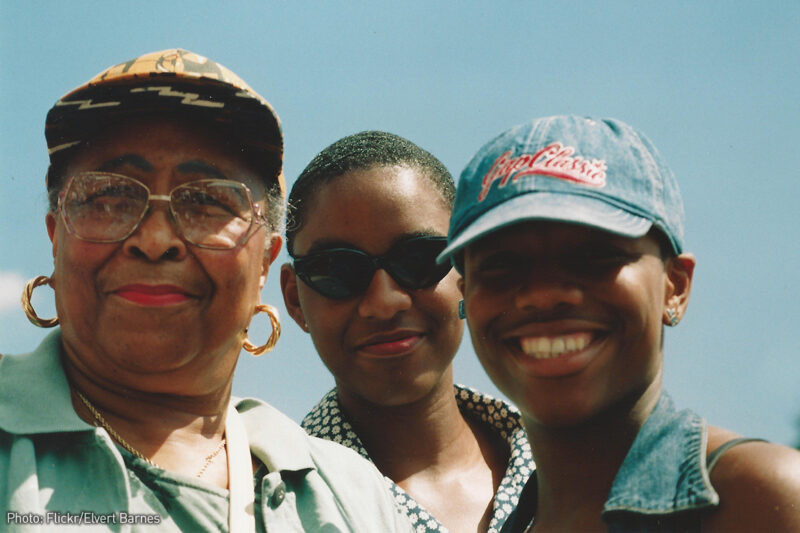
{"points": [[758, 485]]}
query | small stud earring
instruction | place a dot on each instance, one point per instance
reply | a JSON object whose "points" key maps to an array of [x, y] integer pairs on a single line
{"points": [[462, 312], [672, 317]]}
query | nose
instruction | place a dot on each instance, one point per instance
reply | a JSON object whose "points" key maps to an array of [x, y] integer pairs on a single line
{"points": [[384, 298], [156, 238], [547, 290]]}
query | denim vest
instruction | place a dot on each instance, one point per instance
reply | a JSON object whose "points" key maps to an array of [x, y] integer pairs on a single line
{"points": [[663, 484]]}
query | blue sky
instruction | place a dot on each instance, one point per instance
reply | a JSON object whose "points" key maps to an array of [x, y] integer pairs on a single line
{"points": [[713, 84]]}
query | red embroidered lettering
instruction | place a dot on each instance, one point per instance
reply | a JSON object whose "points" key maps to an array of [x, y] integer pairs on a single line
{"points": [[554, 161]]}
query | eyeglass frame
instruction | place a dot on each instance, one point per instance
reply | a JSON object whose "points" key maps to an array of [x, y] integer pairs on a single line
{"points": [[258, 217]]}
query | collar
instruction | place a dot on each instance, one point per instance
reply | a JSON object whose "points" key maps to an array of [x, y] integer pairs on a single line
{"points": [[672, 443], [49, 410], [275, 438], [327, 420]]}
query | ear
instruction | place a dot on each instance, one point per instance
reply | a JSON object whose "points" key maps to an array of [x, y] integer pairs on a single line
{"points": [[50, 222], [290, 296], [275, 243], [270, 254], [460, 283], [679, 270]]}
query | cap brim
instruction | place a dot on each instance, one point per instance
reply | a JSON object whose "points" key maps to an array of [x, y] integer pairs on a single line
{"points": [[559, 207]]}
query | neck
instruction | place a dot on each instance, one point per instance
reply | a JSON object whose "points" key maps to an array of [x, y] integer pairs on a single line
{"points": [[452, 466], [429, 432], [576, 465], [175, 432]]}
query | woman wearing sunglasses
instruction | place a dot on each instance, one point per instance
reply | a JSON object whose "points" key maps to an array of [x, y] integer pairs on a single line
{"points": [[367, 218], [166, 200]]}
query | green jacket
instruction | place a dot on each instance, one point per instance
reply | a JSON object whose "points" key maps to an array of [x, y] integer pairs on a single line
{"points": [[57, 470]]}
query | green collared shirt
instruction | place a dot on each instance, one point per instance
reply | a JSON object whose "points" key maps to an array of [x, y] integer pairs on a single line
{"points": [[57, 471]]}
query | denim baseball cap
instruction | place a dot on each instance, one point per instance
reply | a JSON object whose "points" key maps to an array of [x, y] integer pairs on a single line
{"points": [[600, 173]]}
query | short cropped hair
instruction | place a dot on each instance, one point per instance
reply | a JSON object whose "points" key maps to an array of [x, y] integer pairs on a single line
{"points": [[362, 151]]}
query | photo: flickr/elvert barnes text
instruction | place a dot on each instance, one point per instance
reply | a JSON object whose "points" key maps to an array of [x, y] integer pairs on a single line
{"points": [[84, 518]]}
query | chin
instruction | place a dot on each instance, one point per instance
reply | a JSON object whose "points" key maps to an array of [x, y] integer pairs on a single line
{"points": [[151, 352], [394, 397], [397, 394], [559, 418], [552, 410]]}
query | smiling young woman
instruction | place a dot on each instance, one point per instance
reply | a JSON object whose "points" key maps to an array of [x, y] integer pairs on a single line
{"points": [[367, 218], [569, 234]]}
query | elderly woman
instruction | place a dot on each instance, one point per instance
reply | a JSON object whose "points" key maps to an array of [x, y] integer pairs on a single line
{"points": [[367, 218], [166, 193], [569, 234]]}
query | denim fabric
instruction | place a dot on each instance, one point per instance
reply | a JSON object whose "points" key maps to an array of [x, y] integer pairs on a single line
{"points": [[663, 484], [664, 476]]}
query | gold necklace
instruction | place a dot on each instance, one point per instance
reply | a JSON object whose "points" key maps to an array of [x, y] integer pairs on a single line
{"points": [[122, 442]]}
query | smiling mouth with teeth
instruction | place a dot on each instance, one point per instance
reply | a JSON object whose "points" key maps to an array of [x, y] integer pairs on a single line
{"points": [[550, 347]]}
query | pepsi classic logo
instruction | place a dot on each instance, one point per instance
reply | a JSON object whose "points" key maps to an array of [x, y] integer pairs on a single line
{"points": [[554, 160]]}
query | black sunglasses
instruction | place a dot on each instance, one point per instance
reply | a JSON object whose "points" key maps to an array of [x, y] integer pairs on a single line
{"points": [[342, 273]]}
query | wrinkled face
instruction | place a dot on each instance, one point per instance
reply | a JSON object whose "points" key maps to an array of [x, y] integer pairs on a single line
{"points": [[567, 320], [153, 305], [388, 345]]}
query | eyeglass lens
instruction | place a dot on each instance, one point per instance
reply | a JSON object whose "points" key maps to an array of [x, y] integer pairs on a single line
{"points": [[104, 207], [342, 273]]}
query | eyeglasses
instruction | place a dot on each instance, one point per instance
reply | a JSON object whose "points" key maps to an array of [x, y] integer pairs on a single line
{"points": [[104, 207], [342, 273]]}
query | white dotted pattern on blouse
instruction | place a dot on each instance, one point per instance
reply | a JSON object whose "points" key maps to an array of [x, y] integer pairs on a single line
{"points": [[326, 420]]}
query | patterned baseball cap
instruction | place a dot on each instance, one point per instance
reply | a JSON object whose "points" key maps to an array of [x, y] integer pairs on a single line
{"points": [[599, 173], [174, 81]]}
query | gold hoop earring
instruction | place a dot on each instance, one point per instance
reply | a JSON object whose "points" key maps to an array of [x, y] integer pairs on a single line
{"points": [[27, 306], [272, 313]]}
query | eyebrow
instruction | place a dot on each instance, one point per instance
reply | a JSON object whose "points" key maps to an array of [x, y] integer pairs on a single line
{"points": [[328, 244], [127, 159], [195, 166]]}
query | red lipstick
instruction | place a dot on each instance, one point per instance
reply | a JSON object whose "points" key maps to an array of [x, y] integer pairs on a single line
{"points": [[387, 345], [153, 295]]}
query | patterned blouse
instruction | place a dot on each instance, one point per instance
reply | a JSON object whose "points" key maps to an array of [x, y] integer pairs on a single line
{"points": [[326, 420]]}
